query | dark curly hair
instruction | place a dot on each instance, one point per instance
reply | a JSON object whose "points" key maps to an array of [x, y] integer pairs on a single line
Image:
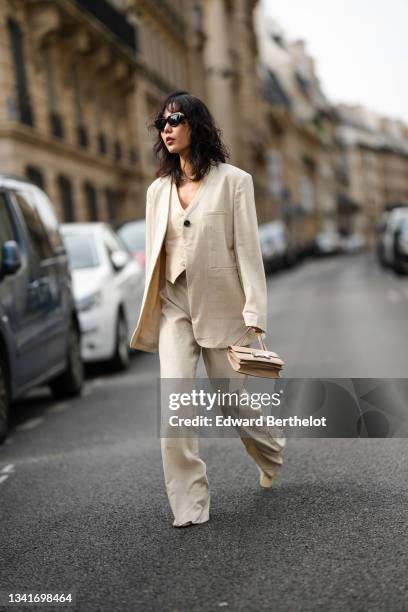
{"points": [[206, 147]]}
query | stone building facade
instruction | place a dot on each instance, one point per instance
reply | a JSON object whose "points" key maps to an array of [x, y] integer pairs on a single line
{"points": [[374, 158], [299, 133], [68, 107], [171, 41], [81, 80]]}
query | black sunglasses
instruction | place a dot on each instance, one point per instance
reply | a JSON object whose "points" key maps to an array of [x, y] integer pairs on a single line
{"points": [[174, 120]]}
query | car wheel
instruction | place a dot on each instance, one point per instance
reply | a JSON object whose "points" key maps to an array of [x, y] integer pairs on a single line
{"points": [[69, 383], [4, 399], [121, 358]]}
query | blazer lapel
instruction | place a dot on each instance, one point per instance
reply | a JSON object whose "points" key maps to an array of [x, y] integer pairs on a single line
{"points": [[160, 218]]}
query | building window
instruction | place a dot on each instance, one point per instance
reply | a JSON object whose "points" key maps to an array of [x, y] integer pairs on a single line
{"points": [[82, 134], [83, 140], [118, 150], [306, 192], [35, 175], [275, 172], [56, 125], [17, 49], [77, 94], [277, 38], [102, 144], [112, 201], [57, 128], [65, 190], [91, 201], [197, 18], [133, 156]]}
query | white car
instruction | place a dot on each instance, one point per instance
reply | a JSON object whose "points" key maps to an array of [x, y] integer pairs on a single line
{"points": [[133, 234], [386, 239], [108, 289], [353, 243], [327, 243], [274, 244]]}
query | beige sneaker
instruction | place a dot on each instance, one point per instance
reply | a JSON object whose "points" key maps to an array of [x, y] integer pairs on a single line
{"points": [[266, 481]]}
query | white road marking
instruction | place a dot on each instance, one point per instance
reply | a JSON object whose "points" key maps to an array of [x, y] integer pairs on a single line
{"points": [[6, 471], [30, 424], [58, 407], [7, 468]]}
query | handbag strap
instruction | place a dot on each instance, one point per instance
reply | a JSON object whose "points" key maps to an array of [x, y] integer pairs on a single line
{"points": [[260, 340]]}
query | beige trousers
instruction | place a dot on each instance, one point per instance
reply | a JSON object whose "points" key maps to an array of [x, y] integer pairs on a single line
{"points": [[184, 471]]}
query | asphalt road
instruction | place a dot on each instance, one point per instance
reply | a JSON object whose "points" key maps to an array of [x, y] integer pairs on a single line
{"points": [[82, 500]]}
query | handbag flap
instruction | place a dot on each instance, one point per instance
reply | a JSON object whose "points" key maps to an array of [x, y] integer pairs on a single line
{"points": [[247, 354], [247, 349]]}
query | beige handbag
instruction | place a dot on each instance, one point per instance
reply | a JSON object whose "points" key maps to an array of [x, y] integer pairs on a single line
{"points": [[253, 361]]}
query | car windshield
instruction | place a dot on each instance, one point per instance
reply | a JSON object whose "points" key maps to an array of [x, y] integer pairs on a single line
{"points": [[133, 235], [403, 225], [81, 251]]}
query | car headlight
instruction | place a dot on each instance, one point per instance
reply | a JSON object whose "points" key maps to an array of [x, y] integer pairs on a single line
{"points": [[89, 302]]}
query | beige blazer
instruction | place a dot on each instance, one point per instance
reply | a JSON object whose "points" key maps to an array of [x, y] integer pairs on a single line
{"points": [[225, 274]]}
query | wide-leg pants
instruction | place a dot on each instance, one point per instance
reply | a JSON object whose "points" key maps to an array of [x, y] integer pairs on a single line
{"points": [[185, 475]]}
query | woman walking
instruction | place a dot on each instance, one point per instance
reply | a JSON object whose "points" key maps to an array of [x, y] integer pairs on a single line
{"points": [[205, 283]]}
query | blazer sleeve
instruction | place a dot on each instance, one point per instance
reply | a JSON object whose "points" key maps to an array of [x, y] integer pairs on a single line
{"points": [[248, 254]]}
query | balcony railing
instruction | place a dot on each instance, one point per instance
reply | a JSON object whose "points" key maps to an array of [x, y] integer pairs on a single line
{"points": [[112, 20]]}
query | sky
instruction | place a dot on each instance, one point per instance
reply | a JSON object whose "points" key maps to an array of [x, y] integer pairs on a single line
{"points": [[360, 48]]}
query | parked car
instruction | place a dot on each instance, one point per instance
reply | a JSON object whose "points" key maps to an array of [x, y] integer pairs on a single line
{"points": [[327, 243], [108, 288], [273, 238], [39, 327], [400, 259], [352, 243], [133, 234], [385, 245], [380, 229]]}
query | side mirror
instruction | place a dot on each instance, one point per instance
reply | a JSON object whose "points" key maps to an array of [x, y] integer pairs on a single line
{"points": [[119, 260], [11, 257]]}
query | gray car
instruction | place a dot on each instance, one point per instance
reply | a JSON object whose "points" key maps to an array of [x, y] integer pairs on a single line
{"points": [[39, 329]]}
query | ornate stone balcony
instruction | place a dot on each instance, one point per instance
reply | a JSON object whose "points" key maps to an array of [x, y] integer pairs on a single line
{"points": [[51, 18], [112, 19]]}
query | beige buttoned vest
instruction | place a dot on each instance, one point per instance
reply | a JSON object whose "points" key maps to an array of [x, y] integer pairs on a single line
{"points": [[174, 243]]}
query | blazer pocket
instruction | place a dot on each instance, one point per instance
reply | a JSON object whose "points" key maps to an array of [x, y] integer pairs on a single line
{"points": [[220, 255]]}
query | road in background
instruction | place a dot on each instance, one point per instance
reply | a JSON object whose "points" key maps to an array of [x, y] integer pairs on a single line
{"points": [[83, 500]]}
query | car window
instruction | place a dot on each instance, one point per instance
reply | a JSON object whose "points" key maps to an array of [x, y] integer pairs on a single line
{"points": [[133, 235], [82, 251], [40, 244], [6, 225], [113, 243], [49, 219]]}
